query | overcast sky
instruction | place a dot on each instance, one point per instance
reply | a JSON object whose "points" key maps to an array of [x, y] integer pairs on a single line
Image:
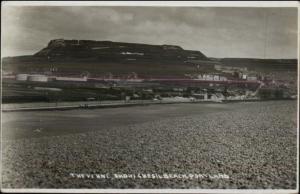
{"points": [[217, 32]]}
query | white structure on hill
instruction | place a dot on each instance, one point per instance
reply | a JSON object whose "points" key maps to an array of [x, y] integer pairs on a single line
{"points": [[22, 77], [37, 78], [76, 79]]}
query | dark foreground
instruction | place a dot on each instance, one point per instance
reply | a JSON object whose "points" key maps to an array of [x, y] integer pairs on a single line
{"points": [[254, 143]]}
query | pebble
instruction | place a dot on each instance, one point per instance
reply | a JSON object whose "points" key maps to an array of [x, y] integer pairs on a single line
{"points": [[254, 145]]}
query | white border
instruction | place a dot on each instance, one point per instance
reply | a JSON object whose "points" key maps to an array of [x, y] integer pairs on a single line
{"points": [[266, 191], [298, 40], [162, 4], [157, 3]]}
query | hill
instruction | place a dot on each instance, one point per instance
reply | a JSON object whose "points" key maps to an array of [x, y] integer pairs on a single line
{"points": [[97, 57], [102, 57], [261, 64]]}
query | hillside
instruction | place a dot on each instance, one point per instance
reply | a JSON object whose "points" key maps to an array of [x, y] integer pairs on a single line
{"points": [[106, 50], [102, 57], [261, 64], [99, 57]]}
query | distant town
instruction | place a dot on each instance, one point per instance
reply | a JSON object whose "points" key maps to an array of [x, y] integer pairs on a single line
{"points": [[225, 83], [87, 70]]}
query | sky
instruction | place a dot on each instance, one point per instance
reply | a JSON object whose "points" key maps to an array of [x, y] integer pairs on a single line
{"points": [[216, 32]]}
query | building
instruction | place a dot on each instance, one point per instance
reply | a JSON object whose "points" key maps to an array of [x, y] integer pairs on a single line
{"points": [[48, 89], [217, 97], [251, 78], [216, 77], [230, 69], [8, 75], [200, 77], [206, 77], [132, 75], [218, 67], [22, 77], [202, 95], [37, 78], [75, 79], [222, 78]]}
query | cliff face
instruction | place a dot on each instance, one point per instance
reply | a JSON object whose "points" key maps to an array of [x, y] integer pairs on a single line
{"points": [[116, 51]]}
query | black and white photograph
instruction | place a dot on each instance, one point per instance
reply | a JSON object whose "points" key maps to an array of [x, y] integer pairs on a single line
{"points": [[154, 97]]}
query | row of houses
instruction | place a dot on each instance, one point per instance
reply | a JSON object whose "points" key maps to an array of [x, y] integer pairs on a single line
{"points": [[242, 72], [248, 76], [219, 77], [211, 77], [230, 69], [45, 78], [205, 96]]}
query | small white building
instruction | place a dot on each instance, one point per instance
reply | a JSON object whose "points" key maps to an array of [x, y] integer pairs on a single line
{"points": [[178, 89], [218, 67], [251, 78], [208, 77], [48, 89], [200, 77], [216, 77], [222, 78], [202, 96], [37, 78], [22, 77], [217, 97], [76, 79]]}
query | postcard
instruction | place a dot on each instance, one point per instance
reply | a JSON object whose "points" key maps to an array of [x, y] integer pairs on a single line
{"points": [[150, 97]]}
